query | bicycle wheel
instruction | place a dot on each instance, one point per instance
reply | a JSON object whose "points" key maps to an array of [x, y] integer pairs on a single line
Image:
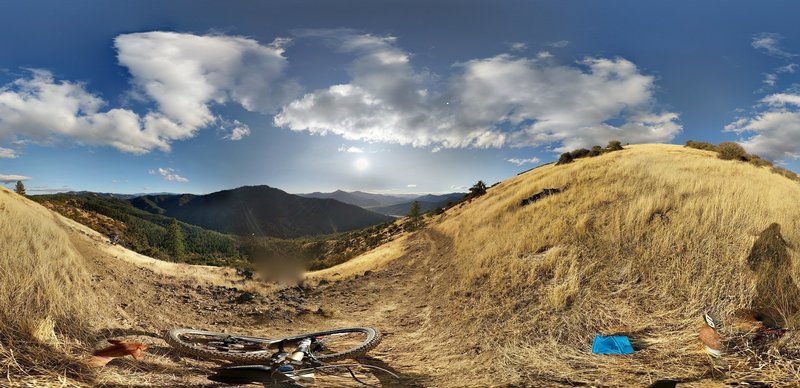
{"points": [[330, 345], [220, 346], [341, 344]]}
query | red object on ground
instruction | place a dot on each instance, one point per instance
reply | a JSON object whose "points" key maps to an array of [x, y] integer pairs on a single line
{"points": [[118, 348]]}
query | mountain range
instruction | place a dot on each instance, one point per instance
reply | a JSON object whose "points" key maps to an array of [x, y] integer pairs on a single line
{"points": [[261, 211], [395, 205], [362, 199]]}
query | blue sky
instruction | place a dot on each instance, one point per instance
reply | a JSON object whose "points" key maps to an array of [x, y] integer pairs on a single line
{"points": [[382, 96]]}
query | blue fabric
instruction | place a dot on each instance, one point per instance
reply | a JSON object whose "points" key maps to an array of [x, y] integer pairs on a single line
{"points": [[611, 344]]}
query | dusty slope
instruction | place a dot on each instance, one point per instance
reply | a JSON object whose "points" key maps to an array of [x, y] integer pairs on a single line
{"points": [[491, 293], [640, 242]]}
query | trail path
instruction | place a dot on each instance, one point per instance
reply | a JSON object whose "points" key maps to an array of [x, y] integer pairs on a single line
{"points": [[149, 297]]}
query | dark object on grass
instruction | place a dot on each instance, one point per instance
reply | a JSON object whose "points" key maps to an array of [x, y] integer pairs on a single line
{"points": [[664, 384], [770, 247], [245, 297], [539, 195], [777, 297], [246, 374], [245, 273]]}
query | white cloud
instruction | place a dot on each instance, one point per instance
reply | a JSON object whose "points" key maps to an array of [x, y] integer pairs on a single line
{"points": [[544, 55], [352, 150], [520, 162], [238, 133], [790, 68], [7, 153], [169, 174], [45, 110], [491, 102], [5, 178], [411, 186], [769, 43], [183, 74], [559, 44], [517, 46], [774, 130], [770, 79]]}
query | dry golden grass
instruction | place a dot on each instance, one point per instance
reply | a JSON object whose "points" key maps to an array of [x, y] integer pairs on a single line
{"points": [[44, 307], [370, 261], [202, 274], [641, 242]]}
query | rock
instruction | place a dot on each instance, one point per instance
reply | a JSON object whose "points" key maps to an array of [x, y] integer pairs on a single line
{"points": [[539, 195], [245, 297]]}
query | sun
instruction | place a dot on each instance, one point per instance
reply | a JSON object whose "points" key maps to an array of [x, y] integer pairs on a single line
{"points": [[361, 164]]}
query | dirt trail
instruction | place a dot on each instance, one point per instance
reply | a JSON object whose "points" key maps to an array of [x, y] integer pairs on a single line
{"points": [[148, 301]]}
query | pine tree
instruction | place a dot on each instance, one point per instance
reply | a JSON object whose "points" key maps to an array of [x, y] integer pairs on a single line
{"points": [[20, 189], [415, 214], [173, 242]]}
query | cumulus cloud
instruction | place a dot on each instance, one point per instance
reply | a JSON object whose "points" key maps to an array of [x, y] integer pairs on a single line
{"points": [[42, 109], [183, 74], [770, 44], [5, 178], [169, 174], [520, 162], [773, 131], [491, 102], [7, 153], [352, 150]]}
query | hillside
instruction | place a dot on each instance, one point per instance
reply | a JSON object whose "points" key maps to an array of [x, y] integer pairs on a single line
{"points": [[140, 230], [261, 211], [490, 293], [426, 203]]}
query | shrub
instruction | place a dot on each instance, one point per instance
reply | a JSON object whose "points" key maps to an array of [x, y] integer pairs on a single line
{"points": [[701, 145], [579, 153], [614, 145], [565, 158], [595, 151], [758, 162], [789, 174], [729, 150]]}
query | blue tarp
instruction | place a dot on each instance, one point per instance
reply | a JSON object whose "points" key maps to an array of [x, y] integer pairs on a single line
{"points": [[611, 344]]}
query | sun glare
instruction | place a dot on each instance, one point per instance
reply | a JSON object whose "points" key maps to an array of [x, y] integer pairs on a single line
{"points": [[361, 164]]}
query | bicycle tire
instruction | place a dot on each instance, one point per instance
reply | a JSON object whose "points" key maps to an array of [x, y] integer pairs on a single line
{"points": [[174, 339]]}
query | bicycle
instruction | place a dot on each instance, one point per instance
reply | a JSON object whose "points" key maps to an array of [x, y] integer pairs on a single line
{"points": [[268, 361]]}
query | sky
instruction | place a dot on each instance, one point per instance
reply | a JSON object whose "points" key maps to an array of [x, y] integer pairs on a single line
{"points": [[380, 96]]}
